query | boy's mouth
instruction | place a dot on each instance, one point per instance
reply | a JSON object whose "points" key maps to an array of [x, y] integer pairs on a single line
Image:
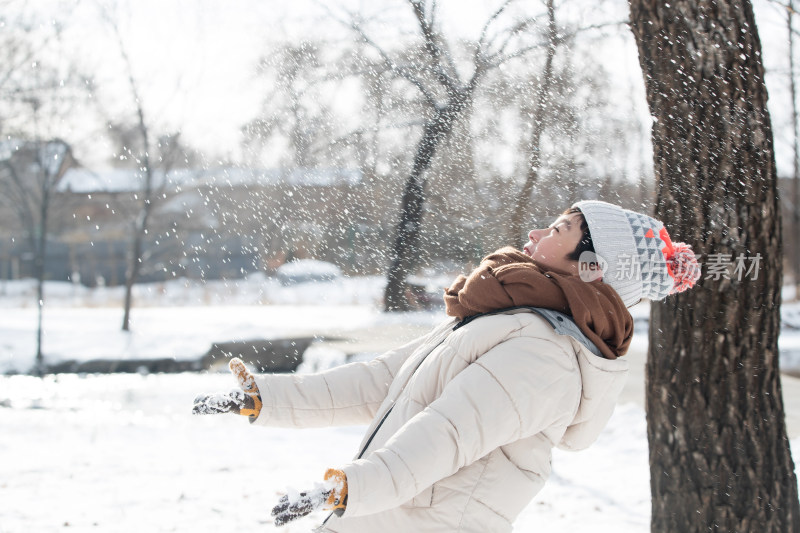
{"points": [[529, 248]]}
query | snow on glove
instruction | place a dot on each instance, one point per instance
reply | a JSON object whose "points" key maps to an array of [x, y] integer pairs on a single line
{"points": [[331, 495], [245, 402]]}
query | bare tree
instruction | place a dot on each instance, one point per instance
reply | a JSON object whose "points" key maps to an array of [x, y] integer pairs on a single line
{"points": [[445, 112], [35, 95], [719, 452], [448, 94], [292, 110], [148, 190], [29, 174], [153, 157]]}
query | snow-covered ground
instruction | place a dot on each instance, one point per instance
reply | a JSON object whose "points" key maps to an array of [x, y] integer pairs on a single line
{"points": [[122, 453], [182, 318], [179, 319]]}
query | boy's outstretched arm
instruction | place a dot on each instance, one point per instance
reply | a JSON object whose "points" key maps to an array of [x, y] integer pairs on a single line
{"points": [[344, 395], [246, 401]]}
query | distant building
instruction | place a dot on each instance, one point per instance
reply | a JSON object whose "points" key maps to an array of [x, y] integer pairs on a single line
{"points": [[206, 223], [29, 175]]}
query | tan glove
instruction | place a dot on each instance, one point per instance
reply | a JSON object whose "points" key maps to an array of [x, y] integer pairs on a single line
{"points": [[246, 401], [331, 496], [337, 499]]}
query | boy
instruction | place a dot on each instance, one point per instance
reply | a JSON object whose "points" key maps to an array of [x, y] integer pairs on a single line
{"points": [[463, 420]]}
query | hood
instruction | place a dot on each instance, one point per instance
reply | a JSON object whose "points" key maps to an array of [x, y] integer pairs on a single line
{"points": [[602, 380]]}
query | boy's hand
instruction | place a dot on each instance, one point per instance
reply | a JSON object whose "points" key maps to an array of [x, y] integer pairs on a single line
{"points": [[332, 496], [222, 402], [244, 402]]}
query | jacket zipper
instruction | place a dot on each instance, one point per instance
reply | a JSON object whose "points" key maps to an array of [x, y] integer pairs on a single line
{"points": [[369, 441], [339, 512], [386, 415]]}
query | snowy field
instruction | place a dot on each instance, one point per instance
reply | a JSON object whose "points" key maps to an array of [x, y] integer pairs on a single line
{"points": [[179, 319], [122, 453]]}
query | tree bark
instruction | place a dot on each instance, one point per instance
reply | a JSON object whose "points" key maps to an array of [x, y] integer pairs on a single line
{"points": [[719, 452]]}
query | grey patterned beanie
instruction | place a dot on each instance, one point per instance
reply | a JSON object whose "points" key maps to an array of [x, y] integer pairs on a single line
{"points": [[636, 253]]}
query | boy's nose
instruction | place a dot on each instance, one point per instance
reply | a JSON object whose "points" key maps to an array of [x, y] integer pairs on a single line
{"points": [[534, 235]]}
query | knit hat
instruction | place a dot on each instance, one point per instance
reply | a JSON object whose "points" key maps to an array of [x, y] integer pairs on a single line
{"points": [[636, 253]]}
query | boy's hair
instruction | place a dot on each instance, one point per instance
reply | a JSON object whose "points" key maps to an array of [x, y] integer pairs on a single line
{"points": [[585, 244]]}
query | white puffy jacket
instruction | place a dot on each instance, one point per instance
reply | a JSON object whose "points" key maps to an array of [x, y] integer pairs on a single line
{"points": [[462, 421]]}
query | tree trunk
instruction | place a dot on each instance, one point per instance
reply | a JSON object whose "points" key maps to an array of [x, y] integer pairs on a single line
{"points": [[140, 226], [137, 246], [406, 243], [719, 452], [40, 261], [131, 275]]}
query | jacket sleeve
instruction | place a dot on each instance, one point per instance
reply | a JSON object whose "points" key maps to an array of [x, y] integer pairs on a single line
{"points": [[346, 395], [517, 389]]}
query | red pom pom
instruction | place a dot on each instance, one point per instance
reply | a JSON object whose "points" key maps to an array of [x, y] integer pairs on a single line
{"points": [[682, 266]]}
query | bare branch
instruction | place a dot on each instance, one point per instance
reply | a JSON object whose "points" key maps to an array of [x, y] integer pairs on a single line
{"points": [[21, 198], [25, 193], [432, 45], [400, 70], [787, 7], [566, 36], [518, 53], [513, 32], [403, 72], [495, 15], [495, 60], [483, 60], [12, 69], [28, 54]]}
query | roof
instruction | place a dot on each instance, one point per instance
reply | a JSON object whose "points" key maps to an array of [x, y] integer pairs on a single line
{"points": [[52, 153]]}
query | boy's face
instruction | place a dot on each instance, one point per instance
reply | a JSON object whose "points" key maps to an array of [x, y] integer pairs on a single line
{"points": [[549, 247]]}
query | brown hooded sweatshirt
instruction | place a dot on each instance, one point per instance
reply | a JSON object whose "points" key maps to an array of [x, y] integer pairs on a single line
{"points": [[509, 278]]}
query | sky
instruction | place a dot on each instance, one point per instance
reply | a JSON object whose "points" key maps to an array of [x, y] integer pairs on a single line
{"points": [[194, 60]]}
